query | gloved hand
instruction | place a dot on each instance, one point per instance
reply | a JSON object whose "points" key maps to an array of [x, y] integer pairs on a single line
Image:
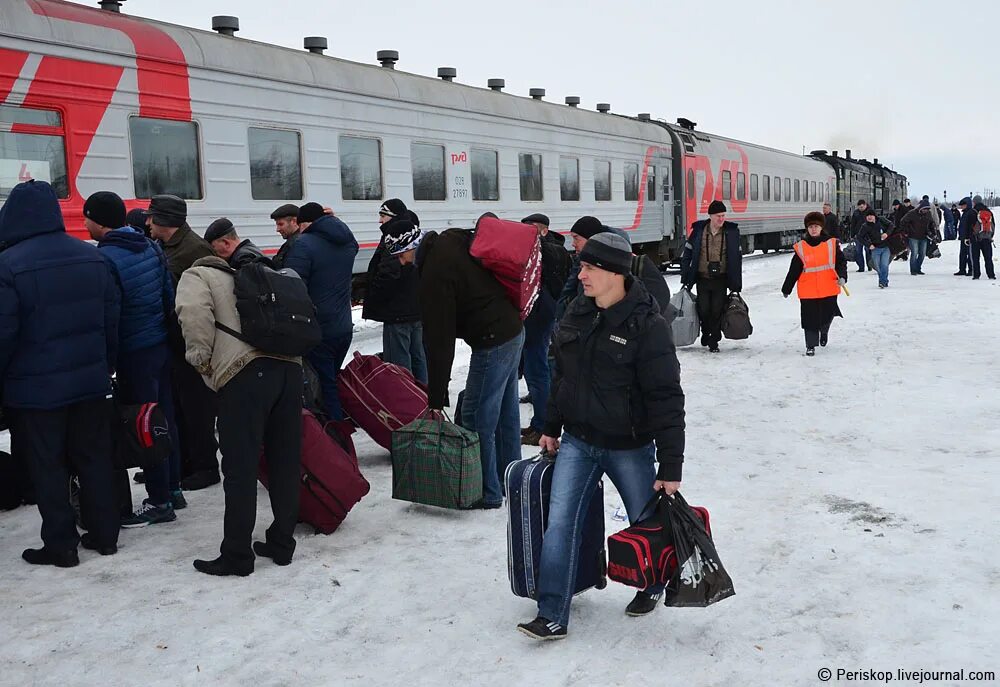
{"points": [[841, 281]]}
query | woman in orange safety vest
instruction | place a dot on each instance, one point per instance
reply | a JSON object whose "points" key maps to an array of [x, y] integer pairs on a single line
{"points": [[818, 268]]}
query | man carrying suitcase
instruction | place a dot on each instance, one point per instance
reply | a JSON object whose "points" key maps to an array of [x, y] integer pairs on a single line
{"points": [[616, 399]]}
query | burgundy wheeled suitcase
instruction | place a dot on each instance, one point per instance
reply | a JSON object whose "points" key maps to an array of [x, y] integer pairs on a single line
{"points": [[379, 397], [331, 481]]}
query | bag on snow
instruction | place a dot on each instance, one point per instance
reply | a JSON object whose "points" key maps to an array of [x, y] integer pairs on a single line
{"points": [[379, 397], [512, 252], [686, 326], [933, 251], [736, 318], [643, 555], [699, 578], [851, 252], [331, 483], [436, 463], [276, 314], [983, 229], [529, 484], [142, 436]]}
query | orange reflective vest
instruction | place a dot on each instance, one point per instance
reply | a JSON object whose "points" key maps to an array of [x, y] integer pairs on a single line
{"points": [[819, 270]]}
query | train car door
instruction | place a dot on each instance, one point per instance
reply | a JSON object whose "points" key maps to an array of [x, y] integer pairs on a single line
{"points": [[659, 193]]}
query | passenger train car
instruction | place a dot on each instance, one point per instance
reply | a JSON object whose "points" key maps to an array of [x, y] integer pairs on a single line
{"points": [[92, 99]]}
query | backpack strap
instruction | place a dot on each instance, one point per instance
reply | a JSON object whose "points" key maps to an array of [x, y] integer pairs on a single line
{"points": [[218, 325], [637, 266]]}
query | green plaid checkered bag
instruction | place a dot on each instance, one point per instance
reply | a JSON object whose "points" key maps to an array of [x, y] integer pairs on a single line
{"points": [[436, 463]]}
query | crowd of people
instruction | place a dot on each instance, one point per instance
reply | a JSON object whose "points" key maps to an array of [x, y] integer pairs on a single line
{"points": [[148, 314]]}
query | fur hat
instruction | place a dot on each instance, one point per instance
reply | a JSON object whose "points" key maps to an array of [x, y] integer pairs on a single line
{"points": [[814, 218], [167, 211], [608, 251]]}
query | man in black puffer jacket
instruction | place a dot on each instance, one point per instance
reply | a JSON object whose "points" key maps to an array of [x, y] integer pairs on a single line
{"points": [[391, 296], [617, 402]]}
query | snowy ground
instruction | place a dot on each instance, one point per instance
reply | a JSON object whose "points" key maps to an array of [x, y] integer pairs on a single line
{"points": [[852, 496]]}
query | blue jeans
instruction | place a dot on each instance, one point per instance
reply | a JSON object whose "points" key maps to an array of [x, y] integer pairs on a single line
{"points": [[918, 251], [882, 257], [863, 253], [537, 373], [327, 359], [403, 345], [579, 467], [490, 407], [143, 376]]}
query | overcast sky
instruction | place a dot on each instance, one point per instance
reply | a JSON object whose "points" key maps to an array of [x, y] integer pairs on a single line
{"points": [[901, 80]]}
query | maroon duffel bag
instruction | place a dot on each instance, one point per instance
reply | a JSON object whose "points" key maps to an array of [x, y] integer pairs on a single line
{"points": [[512, 253], [379, 397]]}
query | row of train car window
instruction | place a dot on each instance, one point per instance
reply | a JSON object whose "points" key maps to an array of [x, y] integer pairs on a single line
{"points": [[165, 159], [795, 190]]}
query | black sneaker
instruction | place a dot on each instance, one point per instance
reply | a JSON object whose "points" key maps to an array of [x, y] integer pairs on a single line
{"points": [[222, 568], [961, 274], [266, 550], [44, 556], [88, 542], [823, 338], [642, 604], [177, 500], [200, 480], [810, 352], [542, 628], [713, 348], [149, 514], [139, 477]]}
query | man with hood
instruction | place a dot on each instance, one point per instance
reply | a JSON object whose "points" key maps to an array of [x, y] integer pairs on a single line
{"points": [[260, 414], [713, 261], [981, 243], [196, 404], [919, 225], [323, 256], [391, 294], [59, 311], [143, 368], [227, 244], [616, 408]]}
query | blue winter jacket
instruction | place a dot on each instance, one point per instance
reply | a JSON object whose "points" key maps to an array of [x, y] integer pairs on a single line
{"points": [[734, 256], [59, 307], [146, 287], [323, 256]]}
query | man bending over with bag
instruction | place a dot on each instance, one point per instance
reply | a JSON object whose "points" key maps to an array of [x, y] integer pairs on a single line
{"points": [[616, 395]]}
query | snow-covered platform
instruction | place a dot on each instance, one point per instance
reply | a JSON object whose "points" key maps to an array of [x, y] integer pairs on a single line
{"points": [[853, 500]]}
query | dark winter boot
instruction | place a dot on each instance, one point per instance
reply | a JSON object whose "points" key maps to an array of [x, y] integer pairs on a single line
{"points": [[642, 604], [266, 550], [221, 567], [200, 480], [823, 337], [810, 352], [43, 556], [543, 628], [88, 542]]}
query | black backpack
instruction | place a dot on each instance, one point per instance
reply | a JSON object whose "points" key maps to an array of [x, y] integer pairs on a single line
{"points": [[276, 314]]}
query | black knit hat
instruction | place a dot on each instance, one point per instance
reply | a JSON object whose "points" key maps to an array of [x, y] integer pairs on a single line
{"points": [[537, 218], [105, 208], [814, 218], [401, 235], [310, 212], [217, 229], [587, 227], [609, 252], [716, 207], [393, 207], [167, 211], [895, 202], [286, 210], [413, 217], [136, 219]]}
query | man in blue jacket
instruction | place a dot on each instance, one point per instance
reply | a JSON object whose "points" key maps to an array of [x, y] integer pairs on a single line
{"points": [[143, 367], [59, 310], [324, 257], [712, 259]]}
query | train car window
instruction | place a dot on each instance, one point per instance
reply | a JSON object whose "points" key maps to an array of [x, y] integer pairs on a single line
{"points": [[741, 186], [631, 181], [690, 183], [569, 178], [275, 164], [427, 164], [777, 188], [828, 193], [727, 185], [767, 188], [812, 191], [651, 183], [360, 168], [788, 190], [798, 194], [666, 182], [165, 158], [485, 175], [754, 187], [602, 180], [38, 155], [530, 170]]}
